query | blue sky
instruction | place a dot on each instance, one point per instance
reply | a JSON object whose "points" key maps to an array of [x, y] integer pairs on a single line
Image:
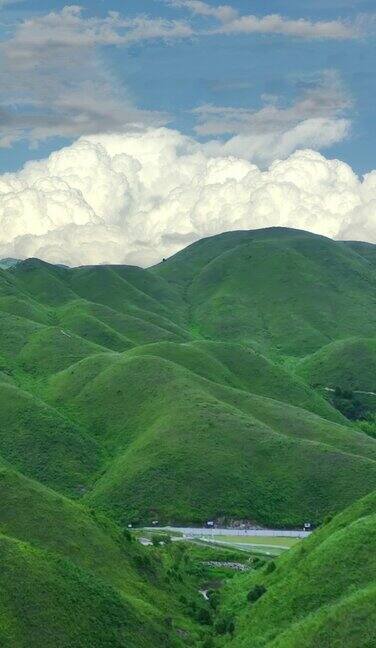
{"points": [[171, 120], [221, 70]]}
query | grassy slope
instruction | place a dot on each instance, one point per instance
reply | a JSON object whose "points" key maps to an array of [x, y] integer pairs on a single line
{"points": [[239, 366], [149, 403], [69, 577], [174, 436], [287, 291], [349, 364], [145, 392], [46, 600], [111, 294], [322, 592], [366, 250], [43, 444]]}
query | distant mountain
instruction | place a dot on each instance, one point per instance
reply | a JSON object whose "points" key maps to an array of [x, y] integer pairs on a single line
{"points": [[185, 391], [8, 263]]}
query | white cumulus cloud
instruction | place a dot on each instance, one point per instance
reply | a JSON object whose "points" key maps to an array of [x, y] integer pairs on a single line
{"points": [[140, 196]]}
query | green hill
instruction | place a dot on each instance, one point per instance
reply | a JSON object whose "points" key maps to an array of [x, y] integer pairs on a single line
{"points": [[43, 444], [165, 427], [8, 262], [349, 364], [239, 366], [70, 578], [154, 386], [321, 593], [285, 290], [188, 391], [65, 606]]}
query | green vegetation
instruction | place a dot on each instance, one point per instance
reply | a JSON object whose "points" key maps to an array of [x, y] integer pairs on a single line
{"points": [[268, 541], [71, 577], [43, 444], [154, 386], [320, 593], [284, 290], [233, 381], [348, 364], [158, 419]]}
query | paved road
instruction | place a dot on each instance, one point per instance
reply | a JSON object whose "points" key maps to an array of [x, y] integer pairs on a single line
{"points": [[194, 531]]}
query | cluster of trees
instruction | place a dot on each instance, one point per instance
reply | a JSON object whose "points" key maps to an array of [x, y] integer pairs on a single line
{"points": [[348, 404]]}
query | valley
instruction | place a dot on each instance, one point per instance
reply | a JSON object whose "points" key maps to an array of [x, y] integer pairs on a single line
{"points": [[232, 381]]}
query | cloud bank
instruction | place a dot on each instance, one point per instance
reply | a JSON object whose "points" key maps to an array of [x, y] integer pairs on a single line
{"points": [[137, 197], [232, 22], [316, 119], [55, 82]]}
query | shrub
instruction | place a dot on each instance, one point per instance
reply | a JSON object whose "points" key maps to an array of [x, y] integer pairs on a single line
{"points": [[208, 643], [369, 425], [214, 599], [225, 625], [258, 563], [203, 616], [346, 402], [257, 592], [270, 568], [127, 535], [328, 518]]}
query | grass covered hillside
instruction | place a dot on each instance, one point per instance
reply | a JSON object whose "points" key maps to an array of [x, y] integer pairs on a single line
{"points": [[349, 364], [70, 578], [320, 593], [187, 391], [190, 391], [41, 443], [284, 290], [165, 427]]}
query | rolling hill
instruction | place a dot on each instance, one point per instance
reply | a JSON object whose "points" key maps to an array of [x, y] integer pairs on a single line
{"points": [[167, 427], [286, 291], [140, 391], [183, 392], [70, 578], [349, 364], [320, 593]]}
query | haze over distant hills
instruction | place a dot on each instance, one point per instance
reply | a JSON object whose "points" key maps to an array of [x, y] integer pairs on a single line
{"points": [[8, 263]]}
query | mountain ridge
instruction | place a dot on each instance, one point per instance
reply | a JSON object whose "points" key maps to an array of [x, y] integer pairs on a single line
{"points": [[212, 332], [204, 388]]}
